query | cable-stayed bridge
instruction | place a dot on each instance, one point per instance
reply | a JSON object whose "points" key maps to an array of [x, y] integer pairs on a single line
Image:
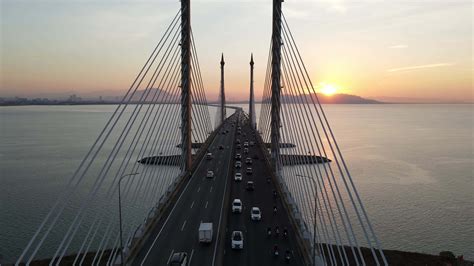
{"points": [[145, 186]]}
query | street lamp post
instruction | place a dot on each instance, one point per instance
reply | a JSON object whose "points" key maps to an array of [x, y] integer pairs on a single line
{"points": [[120, 215], [314, 218]]}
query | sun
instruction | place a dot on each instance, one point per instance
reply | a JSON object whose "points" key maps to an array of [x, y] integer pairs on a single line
{"points": [[328, 89]]}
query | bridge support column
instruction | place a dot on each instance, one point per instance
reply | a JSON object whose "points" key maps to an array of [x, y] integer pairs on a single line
{"points": [[276, 86], [252, 98], [222, 103], [186, 148]]}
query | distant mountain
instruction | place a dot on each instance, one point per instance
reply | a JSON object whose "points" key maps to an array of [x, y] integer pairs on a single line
{"points": [[160, 96], [154, 95], [325, 99], [391, 99]]}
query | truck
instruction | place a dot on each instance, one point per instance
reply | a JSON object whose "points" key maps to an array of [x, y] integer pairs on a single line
{"points": [[205, 232]]}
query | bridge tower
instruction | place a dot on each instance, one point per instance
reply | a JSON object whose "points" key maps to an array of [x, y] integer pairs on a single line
{"points": [[186, 85], [222, 93], [276, 85], [252, 97]]}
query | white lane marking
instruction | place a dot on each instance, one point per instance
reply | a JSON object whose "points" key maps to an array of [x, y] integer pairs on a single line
{"points": [[172, 210], [172, 251], [211, 189], [220, 214], [182, 227], [206, 205], [192, 204], [191, 257], [199, 188]]}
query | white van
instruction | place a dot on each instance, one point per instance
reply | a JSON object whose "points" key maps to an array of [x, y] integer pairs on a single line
{"points": [[205, 233]]}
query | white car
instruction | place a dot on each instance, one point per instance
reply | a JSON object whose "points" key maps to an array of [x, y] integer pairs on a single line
{"points": [[237, 206], [210, 174], [246, 144], [238, 156], [237, 240], [238, 177], [255, 214], [238, 164]]}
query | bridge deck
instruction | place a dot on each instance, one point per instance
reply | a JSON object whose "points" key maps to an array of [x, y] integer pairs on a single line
{"points": [[201, 200], [209, 200], [258, 246]]}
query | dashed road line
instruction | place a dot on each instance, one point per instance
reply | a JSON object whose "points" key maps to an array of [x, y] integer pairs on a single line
{"points": [[184, 224], [191, 257], [172, 251]]}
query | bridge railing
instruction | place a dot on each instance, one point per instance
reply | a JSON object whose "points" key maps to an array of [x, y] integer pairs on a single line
{"points": [[167, 201], [297, 222]]}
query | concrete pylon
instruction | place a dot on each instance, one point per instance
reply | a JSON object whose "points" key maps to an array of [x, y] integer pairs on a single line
{"points": [[276, 86], [186, 148], [222, 100], [252, 115]]}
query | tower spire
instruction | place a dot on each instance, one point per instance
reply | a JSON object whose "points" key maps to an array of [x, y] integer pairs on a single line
{"points": [[276, 86], [186, 148], [252, 99], [222, 93]]}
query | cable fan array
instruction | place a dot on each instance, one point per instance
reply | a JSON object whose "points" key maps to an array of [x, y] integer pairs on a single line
{"points": [[324, 193], [146, 123]]}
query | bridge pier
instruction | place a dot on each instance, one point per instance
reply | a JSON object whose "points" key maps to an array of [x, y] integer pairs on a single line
{"points": [[186, 149], [222, 99], [276, 86], [252, 116]]}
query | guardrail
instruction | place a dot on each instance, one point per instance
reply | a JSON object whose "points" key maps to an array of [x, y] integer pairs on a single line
{"points": [[143, 231], [296, 220]]}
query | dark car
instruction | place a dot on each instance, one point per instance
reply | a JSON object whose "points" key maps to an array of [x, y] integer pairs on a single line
{"points": [[179, 259], [250, 186]]}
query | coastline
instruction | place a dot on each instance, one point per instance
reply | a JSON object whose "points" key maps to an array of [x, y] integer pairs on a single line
{"points": [[394, 257]]}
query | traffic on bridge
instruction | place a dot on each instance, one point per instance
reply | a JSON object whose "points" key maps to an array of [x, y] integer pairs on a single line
{"points": [[276, 192]]}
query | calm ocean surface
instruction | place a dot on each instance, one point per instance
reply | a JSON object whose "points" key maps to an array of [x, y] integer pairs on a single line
{"points": [[412, 164]]}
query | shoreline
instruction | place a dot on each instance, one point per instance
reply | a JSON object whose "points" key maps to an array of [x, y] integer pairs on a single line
{"points": [[394, 257]]}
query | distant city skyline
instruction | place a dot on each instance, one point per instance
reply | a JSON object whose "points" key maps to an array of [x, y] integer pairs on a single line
{"points": [[416, 51]]}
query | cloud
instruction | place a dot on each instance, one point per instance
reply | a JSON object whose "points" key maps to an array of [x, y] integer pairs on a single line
{"points": [[298, 14], [398, 46], [408, 68], [338, 7]]}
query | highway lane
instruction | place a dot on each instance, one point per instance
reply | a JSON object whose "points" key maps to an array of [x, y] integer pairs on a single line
{"points": [[257, 246], [201, 200]]}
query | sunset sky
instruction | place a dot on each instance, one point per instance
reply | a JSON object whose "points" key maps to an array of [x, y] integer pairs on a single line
{"points": [[373, 48]]}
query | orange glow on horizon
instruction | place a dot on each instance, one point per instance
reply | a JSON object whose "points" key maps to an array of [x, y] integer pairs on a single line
{"points": [[328, 89]]}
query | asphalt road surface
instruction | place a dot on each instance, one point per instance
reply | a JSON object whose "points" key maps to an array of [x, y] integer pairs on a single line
{"points": [[258, 247], [201, 200]]}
